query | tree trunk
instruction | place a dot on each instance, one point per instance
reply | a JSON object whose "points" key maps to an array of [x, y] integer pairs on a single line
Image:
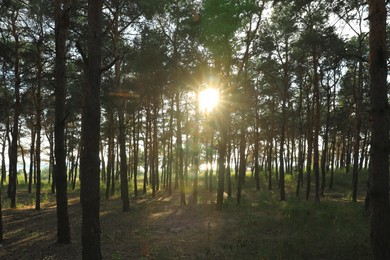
{"points": [[221, 160], [154, 161], [24, 162], [228, 168], [89, 163], [317, 120], [358, 125], [62, 17], [309, 147], [13, 156], [195, 150], [324, 158], [256, 149], [136, 129], [242, 167], [110, 149], [270, 144], [180, 150], [146, 147], [123, 157], [378, 190]]}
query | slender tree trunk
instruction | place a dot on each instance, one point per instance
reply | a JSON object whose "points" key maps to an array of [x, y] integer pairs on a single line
{"points": [[13, 156], [363, 150], [180, 150], [76, 168], [110, 150], [300, 143], [309, 148], [256, 150], [154, 151], [123, 158], [221, 161], [170, 147], [242, 167], [228, 168], [24, 162], [270, 143], [324, 158], [136, 129], [38, 101], [317, 120], [358, 125], [3, 166], [146, 147], [195, 149], [103, 161], [333, 141]]}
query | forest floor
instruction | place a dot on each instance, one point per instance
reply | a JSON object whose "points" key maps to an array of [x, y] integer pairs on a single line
{"points": [[262, 227]]}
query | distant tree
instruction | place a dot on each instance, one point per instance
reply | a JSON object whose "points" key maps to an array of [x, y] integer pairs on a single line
{"points": [[378, 190]]}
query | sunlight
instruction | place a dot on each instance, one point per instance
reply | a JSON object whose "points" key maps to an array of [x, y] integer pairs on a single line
{"points": [[208, 99]]}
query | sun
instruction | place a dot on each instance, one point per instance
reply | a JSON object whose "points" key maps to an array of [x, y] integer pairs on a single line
{"points": [[208, 99]]}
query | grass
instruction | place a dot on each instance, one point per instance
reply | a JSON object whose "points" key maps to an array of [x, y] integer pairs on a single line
{"points": [[335, 228]]}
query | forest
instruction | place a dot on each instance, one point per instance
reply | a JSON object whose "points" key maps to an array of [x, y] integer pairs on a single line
{"points": [[204, 129]]}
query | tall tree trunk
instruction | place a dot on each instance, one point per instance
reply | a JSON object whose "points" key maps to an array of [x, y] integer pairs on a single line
{"points": [[13, 156], [38, 105], [358, 126], [170, 146], [7, 125], [154, 151], [62, 17], [309, 147], [195, 150], [270, 144], [123, 157], [24, 162], [221, 160], [324, 158], [378, 190], [286, 86], [317, 120], [89, 163], [228, 167], [300, 143], [257, 148], [110, 149], [146, 147], [242, 151], [103, 161], [136, 130], [180, 150], [76, 168]]}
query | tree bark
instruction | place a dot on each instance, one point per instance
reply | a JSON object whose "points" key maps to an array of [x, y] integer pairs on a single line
{"points": [[378, 190], [90, 163], [62, 17]]}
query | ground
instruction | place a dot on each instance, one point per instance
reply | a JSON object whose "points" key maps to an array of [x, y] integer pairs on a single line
{"points": [[159, 228]]}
